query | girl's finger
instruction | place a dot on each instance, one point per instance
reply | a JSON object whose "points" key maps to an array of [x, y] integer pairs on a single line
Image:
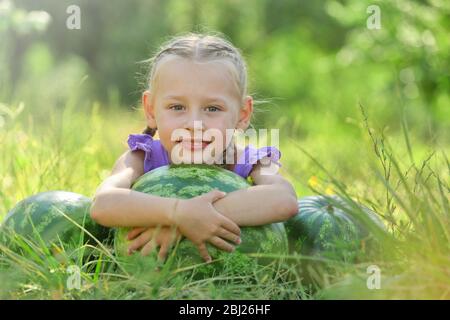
{"points": [[140, 241], [134, 233], [214, 195], [204, 252], [148, 248], [221, 244], [173, 236], [230, 226], [225, 234], [163, 252], [176, 237]]}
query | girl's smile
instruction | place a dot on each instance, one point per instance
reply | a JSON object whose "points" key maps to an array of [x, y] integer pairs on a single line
{"points": [[194, 145]]}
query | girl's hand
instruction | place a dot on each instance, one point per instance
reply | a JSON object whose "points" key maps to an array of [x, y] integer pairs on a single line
{"points": [[200, 222], [150, 238]]}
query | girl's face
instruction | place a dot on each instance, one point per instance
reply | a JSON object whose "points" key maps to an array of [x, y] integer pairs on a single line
{"points": [[185, 92]]}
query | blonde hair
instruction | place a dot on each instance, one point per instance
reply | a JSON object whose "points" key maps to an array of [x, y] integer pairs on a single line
{"points": [[200, 48]]}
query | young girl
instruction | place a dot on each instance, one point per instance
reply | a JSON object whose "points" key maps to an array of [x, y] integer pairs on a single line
{"points": [[193, 79]]}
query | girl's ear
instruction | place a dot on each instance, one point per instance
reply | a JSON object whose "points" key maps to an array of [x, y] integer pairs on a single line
{"points": [[245, 114], [149, 109]]}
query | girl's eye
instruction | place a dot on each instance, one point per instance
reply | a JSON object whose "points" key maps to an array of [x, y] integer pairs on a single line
{"points": [[177, 107], [212, 109]]}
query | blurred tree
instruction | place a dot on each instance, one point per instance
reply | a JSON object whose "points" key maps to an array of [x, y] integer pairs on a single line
{"points": [[308, 55], [17, 28]]}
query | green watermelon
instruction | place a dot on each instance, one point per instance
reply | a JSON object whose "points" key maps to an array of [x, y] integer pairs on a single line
{"points": [[41, 217], [324, 227], [188, 181], [329, 231]]}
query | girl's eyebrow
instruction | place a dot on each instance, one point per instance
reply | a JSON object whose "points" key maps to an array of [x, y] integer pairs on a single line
{"points": [[217, 99], [209, 99], [170, 97]]}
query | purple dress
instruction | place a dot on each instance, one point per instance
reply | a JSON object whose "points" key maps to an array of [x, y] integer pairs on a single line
{"points": [[156, 156]]}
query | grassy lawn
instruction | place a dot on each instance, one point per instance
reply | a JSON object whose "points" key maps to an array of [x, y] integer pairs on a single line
{"points": [[399, 174]]}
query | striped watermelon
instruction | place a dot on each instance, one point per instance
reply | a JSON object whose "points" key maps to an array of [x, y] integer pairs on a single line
{"points": [[324, 226], [186, 181], [46, 217]]}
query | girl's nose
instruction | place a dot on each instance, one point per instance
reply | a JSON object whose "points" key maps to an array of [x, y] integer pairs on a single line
{"points": [[195, 125], [194, 122]]}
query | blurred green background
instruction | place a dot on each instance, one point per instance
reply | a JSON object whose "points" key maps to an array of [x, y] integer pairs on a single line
{"points": [[359, 110], [312, 64]]}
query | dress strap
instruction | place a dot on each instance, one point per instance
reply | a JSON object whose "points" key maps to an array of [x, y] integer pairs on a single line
{"points": [[251, 156], [155, 154]]}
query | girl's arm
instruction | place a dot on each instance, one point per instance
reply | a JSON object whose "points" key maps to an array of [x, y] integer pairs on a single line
{"points": [[272, 199], [115, 205]]}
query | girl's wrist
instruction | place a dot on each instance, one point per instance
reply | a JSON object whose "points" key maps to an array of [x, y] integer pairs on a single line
{"points": [[221, 207], [172, 212]]}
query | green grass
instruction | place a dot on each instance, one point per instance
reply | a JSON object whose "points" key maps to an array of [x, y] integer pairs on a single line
{"points": [[400, 175]]}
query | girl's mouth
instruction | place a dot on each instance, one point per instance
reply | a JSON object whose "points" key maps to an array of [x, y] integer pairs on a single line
{"points": [[194, 145]]}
